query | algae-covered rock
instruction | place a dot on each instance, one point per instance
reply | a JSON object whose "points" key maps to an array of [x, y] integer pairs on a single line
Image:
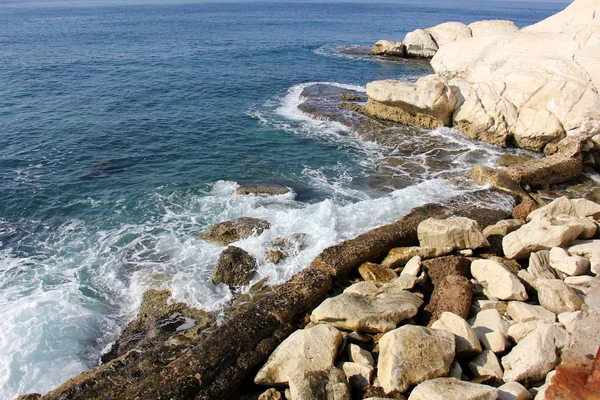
{"points": [[228, 232]]}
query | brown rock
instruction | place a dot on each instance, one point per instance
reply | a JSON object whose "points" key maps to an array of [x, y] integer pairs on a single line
{"points": [[276, 256], [160, 320], [576, 383], [216, 366], [30, 396], [234, 267], [549, 170], [270, 394], [376, 272], [441, 267], [270, 188], [506, 160], [228, 232], [452, 293], [522, 210]]}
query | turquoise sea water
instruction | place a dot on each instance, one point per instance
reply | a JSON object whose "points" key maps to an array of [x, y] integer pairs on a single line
{"points": [[123, 129]]}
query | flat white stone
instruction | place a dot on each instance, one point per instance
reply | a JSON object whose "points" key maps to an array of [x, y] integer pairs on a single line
{"points": [[359, 355], [523, 312], [486, 363], [467, 343], [570, 265], [452, 389], [513, 391], [557, 296], [498, 281]]}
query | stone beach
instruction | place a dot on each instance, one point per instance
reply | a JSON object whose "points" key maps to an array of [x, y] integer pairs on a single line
{"points": [[453, 301]]}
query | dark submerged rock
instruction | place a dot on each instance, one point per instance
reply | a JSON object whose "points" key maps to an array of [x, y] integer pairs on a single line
{"points": [[234, 267], [225, 233], [271, 188]]}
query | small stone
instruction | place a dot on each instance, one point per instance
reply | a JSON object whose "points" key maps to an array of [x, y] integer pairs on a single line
{"points": [[276, 256], [453, 389], [568, 320], [589, 249], [584, 281], [412, 267], [557, 296], [227, 232], [539, 265], [234, 267], [465, 252], [375, 272], [518, 331], [458, 233], [513, 391], [503, 228], [270, 394], [497, 280], [486, 364], [412, 354], [358, 375], [359, 355], [480, 305], [327, 384], [535, 355], [523, 312], [399, 256], [491, 330], [359, 337], [522, 210], [455, 371], [467, 344]]}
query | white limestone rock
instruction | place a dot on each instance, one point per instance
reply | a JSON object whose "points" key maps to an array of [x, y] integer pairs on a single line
{"points": [[388, 48], [358, 375], [498, 281], [480, 305], [467, 344], [311, 349], [570, 265], [589, 249], [457, 232], [557, 296], [412, 267], [513, 391], [449, 32], [565, 206], [539, 235], [379, 312], [412, 354], [535, 355], [453, 389], [420, 44], [520, 330], [523, 312], [491, 330], [492, 27], [486, 363], [568, 320], [583, 281], [503, 227], [359, 355]]}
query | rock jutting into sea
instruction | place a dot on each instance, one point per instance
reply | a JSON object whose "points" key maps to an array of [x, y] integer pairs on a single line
{"points": [[529, 88]]}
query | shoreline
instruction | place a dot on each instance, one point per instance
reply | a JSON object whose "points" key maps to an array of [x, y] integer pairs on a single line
{"points": [[214, 363]]}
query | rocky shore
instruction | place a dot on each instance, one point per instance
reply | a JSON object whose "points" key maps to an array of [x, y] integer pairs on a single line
{"points": [[454, 301]]}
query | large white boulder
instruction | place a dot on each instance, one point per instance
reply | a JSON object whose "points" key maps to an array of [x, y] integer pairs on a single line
{"points": [[420, 43], [565, 206], [306, 350], [449, 32], [535, 355], [379, 312], [412, 354], [453, 389], [498, 281], [539, 234], [531, 87], [492, 27], [458, 233]]}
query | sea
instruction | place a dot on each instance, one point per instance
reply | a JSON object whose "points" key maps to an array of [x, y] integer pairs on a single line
{"points": [[126, 126]]}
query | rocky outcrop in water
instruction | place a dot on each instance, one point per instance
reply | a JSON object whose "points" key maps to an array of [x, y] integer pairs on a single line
{"points": [[225, 233], [528, 88]]}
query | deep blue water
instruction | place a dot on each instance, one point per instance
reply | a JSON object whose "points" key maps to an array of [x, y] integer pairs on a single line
{"points": [[124, 127]]}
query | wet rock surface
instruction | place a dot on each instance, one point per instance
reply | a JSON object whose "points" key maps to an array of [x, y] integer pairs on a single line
{"points": [[225, 233], [271, 188], [234, 267]]}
